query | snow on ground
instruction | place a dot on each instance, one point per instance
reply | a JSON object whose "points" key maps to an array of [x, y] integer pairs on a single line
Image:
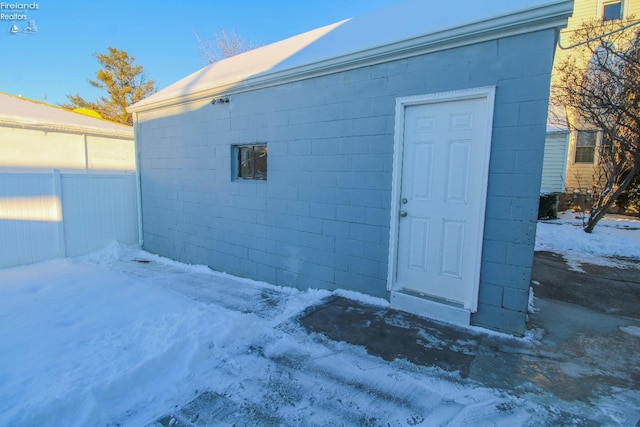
{"points": [[614, 240], [123, 337]]}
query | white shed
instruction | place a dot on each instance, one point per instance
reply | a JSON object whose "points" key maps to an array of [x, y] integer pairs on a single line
{"points": [[35, 136]]}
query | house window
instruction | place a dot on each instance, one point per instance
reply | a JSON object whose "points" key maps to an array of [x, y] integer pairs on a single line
{"points": [[606, 146], [586, 146], [612, 11], [252, 161]]}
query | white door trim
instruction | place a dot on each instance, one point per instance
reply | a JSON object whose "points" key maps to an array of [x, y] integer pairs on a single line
{"points": [[488, 93]]}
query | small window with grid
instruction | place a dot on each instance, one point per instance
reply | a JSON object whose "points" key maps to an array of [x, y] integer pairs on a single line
{"points": [[586, 146]]}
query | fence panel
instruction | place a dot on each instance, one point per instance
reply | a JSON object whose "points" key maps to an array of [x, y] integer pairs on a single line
{"points": [[98, 210], [29, 215], [45, 216]]}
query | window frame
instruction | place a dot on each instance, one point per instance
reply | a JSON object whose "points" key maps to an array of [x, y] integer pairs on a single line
{"points": [[255, 170], [579, 157]]}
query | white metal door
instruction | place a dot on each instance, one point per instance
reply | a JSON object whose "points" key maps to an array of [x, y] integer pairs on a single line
{"points": [[441, 199]]}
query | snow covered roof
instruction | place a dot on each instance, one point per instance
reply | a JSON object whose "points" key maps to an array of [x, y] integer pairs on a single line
{"points": [[402, 30], [19, 112]]}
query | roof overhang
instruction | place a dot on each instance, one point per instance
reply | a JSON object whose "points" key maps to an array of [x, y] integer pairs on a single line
{"points": [[543, 17], [65, 128]]}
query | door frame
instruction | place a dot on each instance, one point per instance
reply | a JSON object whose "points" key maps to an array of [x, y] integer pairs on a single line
{"points": [[485, 92]]}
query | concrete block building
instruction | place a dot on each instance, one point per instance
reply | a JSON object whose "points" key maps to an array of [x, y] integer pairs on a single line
{"points": [[397, 154]]}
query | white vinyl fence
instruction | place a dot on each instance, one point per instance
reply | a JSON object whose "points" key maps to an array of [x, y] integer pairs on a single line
{"points": [[52, 215]]}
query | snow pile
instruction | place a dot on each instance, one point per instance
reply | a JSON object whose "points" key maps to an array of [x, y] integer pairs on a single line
{"points": [[614, 240], [83, 344]]}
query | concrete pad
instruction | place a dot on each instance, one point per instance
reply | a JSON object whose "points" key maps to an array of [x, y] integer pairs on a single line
{"points": [[577, 350], [576, 347], [392, 334], [571, 352]]}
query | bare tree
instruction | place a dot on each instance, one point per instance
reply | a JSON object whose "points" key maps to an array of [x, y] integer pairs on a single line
{"points": [[600, 85], [223, 45]]}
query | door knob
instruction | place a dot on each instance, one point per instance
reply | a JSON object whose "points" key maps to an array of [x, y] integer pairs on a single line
{"points": [[403, 213]]}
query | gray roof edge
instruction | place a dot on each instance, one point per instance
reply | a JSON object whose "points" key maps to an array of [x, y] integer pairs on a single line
{"points": [[67, 128], [547, 16]]}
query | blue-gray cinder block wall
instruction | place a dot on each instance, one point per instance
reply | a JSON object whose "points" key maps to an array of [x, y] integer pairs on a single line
{"points": [[321, 220]]}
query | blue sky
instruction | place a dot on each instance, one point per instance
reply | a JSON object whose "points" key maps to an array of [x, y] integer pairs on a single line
{"points": [[57, 59]]}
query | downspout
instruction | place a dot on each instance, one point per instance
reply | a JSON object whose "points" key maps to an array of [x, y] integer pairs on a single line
{"points": [[86, 153], [136, 144]]}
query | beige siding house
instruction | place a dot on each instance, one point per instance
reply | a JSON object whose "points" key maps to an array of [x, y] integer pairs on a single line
{"points": [[581, 153]]}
